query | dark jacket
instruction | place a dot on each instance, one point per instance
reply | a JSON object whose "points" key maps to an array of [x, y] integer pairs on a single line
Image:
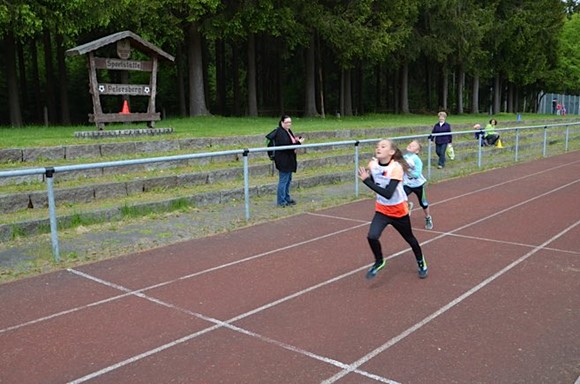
{"points": [[443, 139], [285, 160]]}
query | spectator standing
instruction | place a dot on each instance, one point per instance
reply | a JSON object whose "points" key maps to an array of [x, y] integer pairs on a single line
{"points": [[285, 160]]}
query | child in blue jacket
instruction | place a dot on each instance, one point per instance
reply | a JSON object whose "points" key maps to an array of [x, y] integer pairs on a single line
{"points": [[415, 182]]}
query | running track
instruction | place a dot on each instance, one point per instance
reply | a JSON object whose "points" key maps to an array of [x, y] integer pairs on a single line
{"points": [[287, 301]]}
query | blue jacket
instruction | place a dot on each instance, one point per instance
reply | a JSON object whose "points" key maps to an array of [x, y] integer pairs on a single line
{"points": [[443, 139]]}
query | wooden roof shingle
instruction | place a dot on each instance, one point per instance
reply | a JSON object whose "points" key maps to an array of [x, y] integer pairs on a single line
{"points": [[135, 40]]}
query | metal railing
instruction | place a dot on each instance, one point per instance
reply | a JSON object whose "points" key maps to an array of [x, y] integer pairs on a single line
{"points": [[49, 172]]}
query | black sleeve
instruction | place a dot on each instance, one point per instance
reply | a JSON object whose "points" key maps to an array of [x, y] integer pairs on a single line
{"points": [[386, 192]]}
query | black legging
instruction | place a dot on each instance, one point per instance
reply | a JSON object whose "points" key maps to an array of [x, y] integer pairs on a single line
{"points": [[492, 138], [402, 225], [420, 192]]}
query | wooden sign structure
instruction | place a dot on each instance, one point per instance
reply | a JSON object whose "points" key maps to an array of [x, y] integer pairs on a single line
{"points": [[124, 41]]}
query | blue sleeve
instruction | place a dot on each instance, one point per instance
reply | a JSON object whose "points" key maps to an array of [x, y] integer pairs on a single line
{"points": [[418, 170]]}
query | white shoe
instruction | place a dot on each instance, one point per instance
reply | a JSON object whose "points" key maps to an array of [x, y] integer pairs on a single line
{"points": [[428, 222], [410, 203]]}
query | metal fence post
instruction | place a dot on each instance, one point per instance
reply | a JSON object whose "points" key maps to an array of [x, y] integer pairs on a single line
{"points": [[52, 214], [479, 152], [356, 156], [517, 143], [429, 160], [246, 183], [545, 140]]}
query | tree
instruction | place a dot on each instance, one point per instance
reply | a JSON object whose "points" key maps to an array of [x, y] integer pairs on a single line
{"points": [[565, 78], [17, 20]]}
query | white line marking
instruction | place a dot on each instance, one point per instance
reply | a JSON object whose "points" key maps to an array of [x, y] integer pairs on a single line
{"points": [[14, 327], [443, 309], [62, 313], [226, 324], [314, 287], [261, 255], [337, 217]]}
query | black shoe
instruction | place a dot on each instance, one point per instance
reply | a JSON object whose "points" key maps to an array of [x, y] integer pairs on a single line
{"points": [[291, 202], [283, 205]]}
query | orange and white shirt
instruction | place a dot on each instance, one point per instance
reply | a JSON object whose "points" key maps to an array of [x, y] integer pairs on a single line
{"points": [[396, 206]]}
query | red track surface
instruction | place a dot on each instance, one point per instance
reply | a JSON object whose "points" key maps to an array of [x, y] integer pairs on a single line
{"points": [[287, 301]]}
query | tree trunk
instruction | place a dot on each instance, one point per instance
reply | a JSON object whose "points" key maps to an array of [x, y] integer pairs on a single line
{"points": [[236, 82], [36, 82], [12, 82], [475, 94], [320, 79], [181, 81], [220, 63], [511, 98], [22, 80], [496, 95], [378, 90], [396, 92], [404, 87], [197, 106], [347, 93], [460, 87], [310, 81], [63, 81], [252, 92], [49, 69], [428, 84], [360, 89], [444, 89]]}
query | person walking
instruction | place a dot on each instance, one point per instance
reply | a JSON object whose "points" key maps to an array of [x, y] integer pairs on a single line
{"points": [[285, 160], [441, 141], [385, 177], [415, 182]]}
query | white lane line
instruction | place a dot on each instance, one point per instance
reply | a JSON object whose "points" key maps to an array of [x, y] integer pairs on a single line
{"points": [[298, 293], [444, 309], [130, 292], [509, 243], [314, 287], [52, 316], [62, 313], [217, 324], [337, 217]]}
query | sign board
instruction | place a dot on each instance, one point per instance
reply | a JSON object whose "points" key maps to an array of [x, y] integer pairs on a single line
{"points": [[124, 89], [123, 65]]}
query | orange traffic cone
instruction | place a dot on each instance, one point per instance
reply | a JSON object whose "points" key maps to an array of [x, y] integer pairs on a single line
{"points": [[125, 110], [499, 144]]}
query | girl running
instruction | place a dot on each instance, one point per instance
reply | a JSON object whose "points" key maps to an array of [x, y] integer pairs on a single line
{"points": [[385, 177], [415, 182]]}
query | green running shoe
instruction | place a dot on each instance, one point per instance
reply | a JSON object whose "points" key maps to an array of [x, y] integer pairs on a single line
{"points": [[377, 266]]}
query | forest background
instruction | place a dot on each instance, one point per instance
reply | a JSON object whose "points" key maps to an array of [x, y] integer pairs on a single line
{"points": [[303, 57]]}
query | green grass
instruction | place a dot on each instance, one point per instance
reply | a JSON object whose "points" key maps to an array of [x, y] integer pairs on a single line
{"points": [[216, 126]]}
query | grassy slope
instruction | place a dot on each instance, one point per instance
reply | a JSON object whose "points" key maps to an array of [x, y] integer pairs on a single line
{"points": [[213, 126]]}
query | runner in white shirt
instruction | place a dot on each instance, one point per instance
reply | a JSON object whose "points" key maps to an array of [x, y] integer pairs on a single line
{"points": [[385, 176]]}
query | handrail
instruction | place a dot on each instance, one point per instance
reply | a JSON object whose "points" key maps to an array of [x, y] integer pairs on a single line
{"points": [[245, 152]]}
